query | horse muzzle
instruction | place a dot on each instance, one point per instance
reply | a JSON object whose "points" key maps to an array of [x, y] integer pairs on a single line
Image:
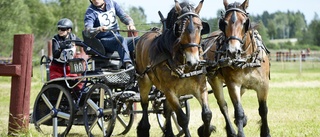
{"points": [[192, 55]]}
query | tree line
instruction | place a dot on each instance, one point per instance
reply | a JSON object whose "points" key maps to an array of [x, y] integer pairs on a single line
{"points": [[39, 17]]}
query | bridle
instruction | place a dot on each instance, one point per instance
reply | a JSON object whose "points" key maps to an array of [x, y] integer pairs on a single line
{"points": [[234, 19], [182, 20], [178, 28], [251, 60]]}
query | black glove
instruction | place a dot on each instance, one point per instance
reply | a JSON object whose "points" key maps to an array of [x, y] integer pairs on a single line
{"points": [[65, 45]]}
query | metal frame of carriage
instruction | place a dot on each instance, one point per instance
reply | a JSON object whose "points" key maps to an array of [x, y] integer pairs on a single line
{"points": [[108, 95]]}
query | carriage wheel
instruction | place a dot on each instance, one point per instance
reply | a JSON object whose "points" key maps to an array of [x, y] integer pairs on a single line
{"points": [[53, 107], [162, 120], [99, 111], [125, 118]]}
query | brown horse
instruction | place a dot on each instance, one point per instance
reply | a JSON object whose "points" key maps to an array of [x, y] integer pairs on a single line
{"points": [[239, 60], [171, 61]]}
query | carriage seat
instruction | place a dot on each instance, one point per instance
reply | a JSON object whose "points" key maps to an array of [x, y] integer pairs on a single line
{"points": [[97, 52]]}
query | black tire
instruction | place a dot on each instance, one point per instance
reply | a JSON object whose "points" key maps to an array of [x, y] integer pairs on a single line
{"points": [[177, 130], [53, 107], [99, 118], [125, 118]]}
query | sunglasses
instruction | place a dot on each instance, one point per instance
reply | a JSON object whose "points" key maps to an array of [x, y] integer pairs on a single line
{"points": [[62, 29]]}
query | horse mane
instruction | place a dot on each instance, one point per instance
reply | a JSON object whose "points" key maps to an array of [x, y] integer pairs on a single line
{"points": [[166, 41]]}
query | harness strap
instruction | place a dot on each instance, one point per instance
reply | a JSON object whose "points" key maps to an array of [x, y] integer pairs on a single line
{"points": [[237, 9], [189, 45], [236, 38], [188, 13], [179, 70]]}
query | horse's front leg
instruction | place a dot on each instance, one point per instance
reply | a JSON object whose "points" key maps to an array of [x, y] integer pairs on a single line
{"points": [[144, 125], [206, 129], [263, 112], [240, 117], [168, 125], [183, 119], [217, 87]]}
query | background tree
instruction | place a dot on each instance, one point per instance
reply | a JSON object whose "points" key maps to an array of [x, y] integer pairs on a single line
{"points": [[314, 29], [14, 19]]}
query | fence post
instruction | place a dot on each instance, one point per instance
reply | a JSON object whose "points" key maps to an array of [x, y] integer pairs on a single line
{"points": [[20, 84], [300, 63]]}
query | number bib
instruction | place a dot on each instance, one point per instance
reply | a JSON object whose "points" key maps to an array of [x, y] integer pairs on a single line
{"points": [[107, 18], [77, 65]]}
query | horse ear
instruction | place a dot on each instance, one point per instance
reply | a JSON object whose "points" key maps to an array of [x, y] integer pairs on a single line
{"points": [[247, 25], [205, 29], [225, 3], [222, 25], [245, 4], [177, 6], [197, 10]]}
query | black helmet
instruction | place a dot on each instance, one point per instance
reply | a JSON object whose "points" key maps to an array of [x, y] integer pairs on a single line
{"points": [[65, 23]]}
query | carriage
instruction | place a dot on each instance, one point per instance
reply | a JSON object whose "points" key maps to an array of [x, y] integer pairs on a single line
{"points": [[106, 99], [173, 62]]}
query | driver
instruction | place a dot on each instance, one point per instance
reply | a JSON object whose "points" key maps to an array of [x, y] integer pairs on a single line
{"points": [[100, 16]]}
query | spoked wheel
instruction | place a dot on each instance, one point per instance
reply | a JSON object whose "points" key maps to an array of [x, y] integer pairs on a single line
{"points": [[125, 118], [53, 111], [99, 111], [177, 130]]}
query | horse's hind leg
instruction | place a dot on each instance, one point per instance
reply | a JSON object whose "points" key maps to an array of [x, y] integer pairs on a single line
{"points": [[263, 111], [217, 87], [144, 125]]}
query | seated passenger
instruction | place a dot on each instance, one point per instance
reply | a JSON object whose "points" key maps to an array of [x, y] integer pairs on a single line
{"points": [[62, 50]]}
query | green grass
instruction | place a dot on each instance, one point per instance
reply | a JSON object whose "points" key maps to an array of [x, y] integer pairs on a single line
{"points": [[293, 101]]}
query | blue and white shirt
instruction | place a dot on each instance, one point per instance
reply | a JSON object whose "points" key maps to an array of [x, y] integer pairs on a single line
{"points": [[96, 17]]}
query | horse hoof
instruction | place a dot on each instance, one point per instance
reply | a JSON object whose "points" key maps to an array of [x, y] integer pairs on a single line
{"points": [[245, 120], [142, 133], [212, 128], [201, 133], [143, 129], [168, 135], [232, 135]]}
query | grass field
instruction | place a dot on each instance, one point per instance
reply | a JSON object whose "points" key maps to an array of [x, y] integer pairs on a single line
{"points": [[293, 101]]}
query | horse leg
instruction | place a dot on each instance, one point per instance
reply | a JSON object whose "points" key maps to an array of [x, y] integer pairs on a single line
{"points": [[242, 90], [240, 118], [182, 118], [206, 129], [144, 125], [217, 87], [168, 125], [263, 111]]}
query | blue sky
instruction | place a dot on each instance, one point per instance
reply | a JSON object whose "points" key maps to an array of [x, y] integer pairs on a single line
{"points": [[210, 7]]}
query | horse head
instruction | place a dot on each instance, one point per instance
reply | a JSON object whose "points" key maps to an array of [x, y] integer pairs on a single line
{"points": [[187, 28], [235, 24]]}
